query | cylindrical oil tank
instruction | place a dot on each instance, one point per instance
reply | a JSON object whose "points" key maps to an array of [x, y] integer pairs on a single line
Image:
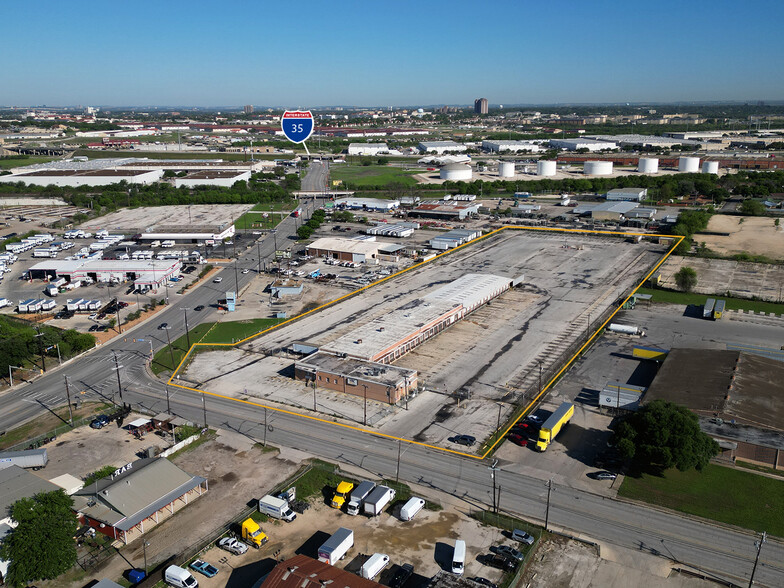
{"points": [[689, 165], [506, 169], [545, 167], [456, 172], [625, 329], [598, 168], [710, 167], [648, 165]]}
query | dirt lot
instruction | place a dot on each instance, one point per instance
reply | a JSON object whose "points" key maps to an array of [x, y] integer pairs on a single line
{"points": [[754, 235], [426, 543], [561, 563]]}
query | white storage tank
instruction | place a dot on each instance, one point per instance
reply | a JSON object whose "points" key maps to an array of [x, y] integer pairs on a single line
{"points": [[456, 172], [598, 168], [689, 165], [545, 167], [710, 167], [648, 165], [506, 169]]}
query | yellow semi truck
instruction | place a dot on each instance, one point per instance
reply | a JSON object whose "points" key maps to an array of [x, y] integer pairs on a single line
{"points": [[342, 494], [553, 425], [252, 533]]}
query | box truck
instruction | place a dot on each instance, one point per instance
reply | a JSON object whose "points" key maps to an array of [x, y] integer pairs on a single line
{"points": [[277, 508], [29, 458], [378, 499], [336, 546], [373, 566], [358, 495]]}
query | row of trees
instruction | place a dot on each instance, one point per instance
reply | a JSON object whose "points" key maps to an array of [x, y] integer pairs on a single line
{"points": [[306, 230]]}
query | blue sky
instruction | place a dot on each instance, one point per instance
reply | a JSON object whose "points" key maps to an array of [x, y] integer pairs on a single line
{"points": [[313, 53]]}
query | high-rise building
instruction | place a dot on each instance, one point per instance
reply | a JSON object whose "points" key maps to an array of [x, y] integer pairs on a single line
{"points": [[248, 109], [480, 106]]}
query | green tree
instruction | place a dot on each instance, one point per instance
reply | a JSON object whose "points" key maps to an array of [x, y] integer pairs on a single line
{"points": [[98, 474], [662, 435], [752, 208], [686, 278], [41, 547], [304, 232]]}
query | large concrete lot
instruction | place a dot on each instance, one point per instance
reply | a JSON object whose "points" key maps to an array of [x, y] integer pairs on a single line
{"points": [[491, 356], [197, 214]]}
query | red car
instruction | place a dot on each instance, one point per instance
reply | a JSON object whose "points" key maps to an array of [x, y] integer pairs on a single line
{"points": [[518, 439]]}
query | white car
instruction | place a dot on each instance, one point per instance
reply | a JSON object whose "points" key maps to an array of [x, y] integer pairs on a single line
{"points": [[93, 316], [245, 271], [534, 419], [217, 280], [233, 545]]}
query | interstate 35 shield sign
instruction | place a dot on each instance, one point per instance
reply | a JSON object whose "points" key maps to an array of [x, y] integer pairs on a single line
{"points": [[297, 125]]}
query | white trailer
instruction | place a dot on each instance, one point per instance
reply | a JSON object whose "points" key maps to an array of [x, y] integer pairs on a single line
{"points": [[336, 547], [376, 501], [373, 566], [29, 458]]}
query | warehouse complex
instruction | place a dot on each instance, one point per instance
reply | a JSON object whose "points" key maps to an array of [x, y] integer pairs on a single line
{"points": [[144, 274], [354, 250], [209, 234]]}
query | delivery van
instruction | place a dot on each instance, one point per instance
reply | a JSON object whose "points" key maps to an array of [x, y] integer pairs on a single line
{"points": [[410, 508], [373, 566], [180, 577], [458, 559]]}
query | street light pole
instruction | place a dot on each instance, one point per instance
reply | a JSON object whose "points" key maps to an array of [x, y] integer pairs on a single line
{"points": [[41, 347], [187, 333], [258, 252], [117, 369], [498, 424], [758, 545], [168, 404], [264, 443], [144, 548], [540, 376], [204, 407], [364, 420], [236, 282], [493, 469], [171, 351], [547, 510], [68, 394]]}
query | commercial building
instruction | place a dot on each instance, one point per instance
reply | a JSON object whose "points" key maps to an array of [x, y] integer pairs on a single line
{"points": [[577, 144], [17, 483], [73, 178], [357, 251], [209, 234], [393, 230], [642, 140], [615, 211], [225, 178], [380, 382], [281, 288], [441, 147], [395, 333], [629, 194], [737, 396], [144, 274], [374, 204], [498, 146], [367, 148], [302, 571], [444, 210], [454, 238], [136, 497], [480, 106]]}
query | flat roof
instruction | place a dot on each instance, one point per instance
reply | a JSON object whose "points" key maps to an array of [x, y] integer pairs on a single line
{"points": [[215, 174], [105, 265], [51, 173], [369, 371], [17, 483], [345, 245]]}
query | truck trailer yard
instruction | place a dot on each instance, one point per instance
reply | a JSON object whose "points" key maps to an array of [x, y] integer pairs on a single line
{"points": [[486, 360]]}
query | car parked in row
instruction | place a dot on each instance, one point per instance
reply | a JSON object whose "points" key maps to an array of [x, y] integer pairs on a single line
{"points": [[233, 545], [499, 562], [522, 537], [203, 567]]}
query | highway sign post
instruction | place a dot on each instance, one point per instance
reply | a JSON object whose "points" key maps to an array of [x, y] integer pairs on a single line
{"points": [[297, 125]]}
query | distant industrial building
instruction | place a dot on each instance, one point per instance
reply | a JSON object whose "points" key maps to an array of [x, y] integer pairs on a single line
{"points": [[629, 194], [354, 250], [577, 144], [454, 238], [393, 230], [480, 106], [395, 333], [499, 145], [445, 210], [144, 274], [367, 148], [374, 204], [441, 147], [609, 211], [74, 178], [642, 141], [223, 178], [209, 234]]}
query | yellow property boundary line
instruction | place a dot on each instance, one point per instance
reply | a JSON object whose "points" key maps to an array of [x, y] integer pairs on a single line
{"points": [[415, 266]]}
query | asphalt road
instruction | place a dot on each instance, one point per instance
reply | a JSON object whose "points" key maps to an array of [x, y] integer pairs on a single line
{"points": [[316, 178]]}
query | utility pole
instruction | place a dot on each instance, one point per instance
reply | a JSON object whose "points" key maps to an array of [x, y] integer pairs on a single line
{"points": [[117, 369], [758, 545], [168, 404], [68, 395], [204, 407], [236, 282], [41, 347], [540, 376], [498, 424], [264, 443], [493, 469], [171, 351], [364, 420], [187, 333], [547, 510], [258, 252], [397, 471]]}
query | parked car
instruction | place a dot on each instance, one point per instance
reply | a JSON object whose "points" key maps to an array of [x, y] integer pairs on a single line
{"points": [[499, 562], [508, 551], [217, 280], [522, 537], [534, 419], [402, 575], [99, 422], [163, 326], [467, 440], [602, 475], [199, 308], [233, 545], [483, 582], [93, 316], [93, 328], [518, 439], [203, 567]]}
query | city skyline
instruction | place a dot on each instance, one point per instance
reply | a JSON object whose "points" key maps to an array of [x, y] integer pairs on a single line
{"points": [[189, 54]]}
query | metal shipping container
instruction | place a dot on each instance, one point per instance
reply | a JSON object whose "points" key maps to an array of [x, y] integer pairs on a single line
{"points": [[30, 458]]}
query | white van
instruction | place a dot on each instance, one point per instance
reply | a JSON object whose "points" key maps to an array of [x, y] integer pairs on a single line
{"points": [[410, 508], [373, 566], [180, 577], [458, 559]]}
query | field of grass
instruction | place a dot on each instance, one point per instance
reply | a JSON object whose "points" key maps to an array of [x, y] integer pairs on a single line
{"points": [[254, 219], [208, 333], [371, 175], [686, 298], [719, 493], [8, 163]]}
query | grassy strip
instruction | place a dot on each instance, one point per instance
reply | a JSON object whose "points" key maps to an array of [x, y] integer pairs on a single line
{"points": [[49, 423], [320, 480], [403, 493], [673, 297], [207, 333], [369, 175], [208, 436], [718, 493], [11, 162], [758, 468], [256, 220]]}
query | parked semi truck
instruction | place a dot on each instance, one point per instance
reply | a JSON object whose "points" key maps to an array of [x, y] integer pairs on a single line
{"points": [[30, 458], [341, 494], [336, 546], [553, 425], [358, 495], [377, 500], [252, 533], [277, 508]]}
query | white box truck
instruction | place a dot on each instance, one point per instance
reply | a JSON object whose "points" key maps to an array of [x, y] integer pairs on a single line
{"points": [[373, 566], [277, 508], [358, 495], [410, 508], [378, 499], [336, 546], [29, 458]]}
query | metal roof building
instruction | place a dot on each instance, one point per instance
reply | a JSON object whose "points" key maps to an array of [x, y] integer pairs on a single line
{"points": [[225, 178], [629, 194], [144, 273], [445, 210], [379, 204], [136, 496], [367, 148], [302, 571], [454, 238], [345, 249], [440, 147], [17, 483], [500, 145]]}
